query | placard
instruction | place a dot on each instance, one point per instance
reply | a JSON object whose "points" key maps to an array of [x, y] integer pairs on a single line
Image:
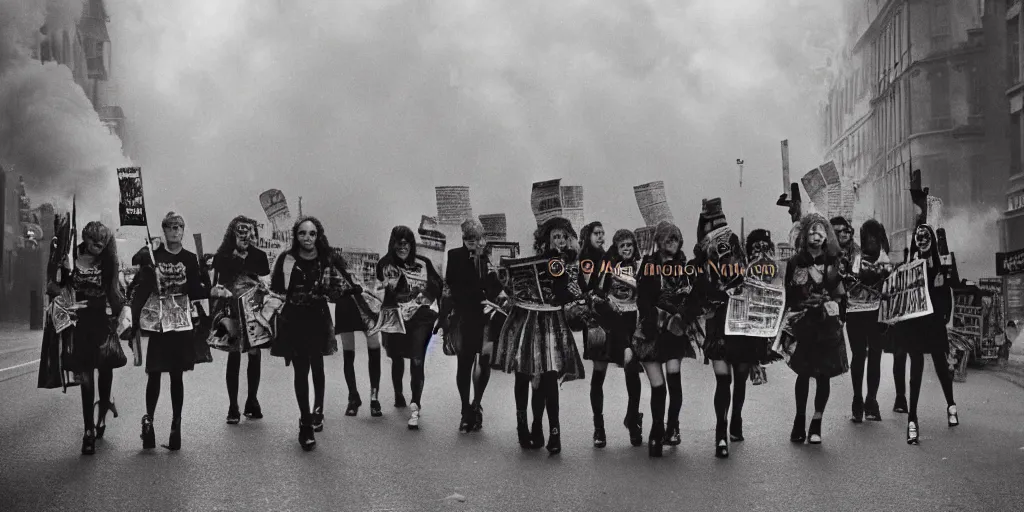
{"points": [[528, 280], [132, 207], [905, 294], [1008, 263], [865, 293], [756, 311], [546, 200]]}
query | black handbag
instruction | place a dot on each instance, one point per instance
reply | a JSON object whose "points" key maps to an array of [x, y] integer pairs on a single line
{"points": [[199, 336], [111, 355]]}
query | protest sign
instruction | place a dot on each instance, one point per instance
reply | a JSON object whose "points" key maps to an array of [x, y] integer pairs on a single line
{"points": [[905, 294], [546, 200], [529, 280], [132, 207], [756, 311]]}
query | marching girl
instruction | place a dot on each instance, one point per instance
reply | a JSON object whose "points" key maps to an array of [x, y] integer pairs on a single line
{"points": [[307, 276], [592, 241], [347, 322], [614, 299], [927, 334], [94, 279], [732, 356], [816, 298], [870, 265], [471, 282], [411, 285], [665, 332], [174, 273], [235, 262], [537, 345]]}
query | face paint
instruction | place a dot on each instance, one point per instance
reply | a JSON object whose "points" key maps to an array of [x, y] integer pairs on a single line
{"points": [[559, 239], [307, 236], [243, 234], [923, 240], [760, 248], [671, 245], [597, 237], [95, 247], [817, 235], [403, 249], [626, 249]]}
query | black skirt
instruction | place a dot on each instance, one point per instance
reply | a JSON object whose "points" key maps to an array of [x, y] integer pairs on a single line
{"points": [[864, 330], [923, 335], [820, 347], [90, 332], [412, 344], [735, 349], [346, 316], [468, 329], [171, 352], [618, 336], [304, 331]]}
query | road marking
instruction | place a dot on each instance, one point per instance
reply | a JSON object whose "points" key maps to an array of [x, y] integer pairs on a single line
{"points": [[19, 366]]}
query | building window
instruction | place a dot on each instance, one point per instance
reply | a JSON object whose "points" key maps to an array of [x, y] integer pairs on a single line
{"points": [[1013, 50], [939, 82], [1015, 143], [940, 25]]}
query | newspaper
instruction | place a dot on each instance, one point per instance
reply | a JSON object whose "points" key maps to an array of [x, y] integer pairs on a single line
{"points": [[546, 200], [905, 294], [756, 311]]}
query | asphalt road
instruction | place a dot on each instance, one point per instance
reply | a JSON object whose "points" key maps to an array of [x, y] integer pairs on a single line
{"points": [[376, 464]]}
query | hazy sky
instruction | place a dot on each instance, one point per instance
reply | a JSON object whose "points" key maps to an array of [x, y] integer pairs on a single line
{"points": [[362, 107]]}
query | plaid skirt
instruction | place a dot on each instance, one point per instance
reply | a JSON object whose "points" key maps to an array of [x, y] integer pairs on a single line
{"points": [[537, 342]]}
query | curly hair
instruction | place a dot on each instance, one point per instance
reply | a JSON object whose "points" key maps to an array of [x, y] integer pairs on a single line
{"points": [[323, 247], [109, 264], [874, 229], [542, 236], [831, 245], [621, 235], [399, 233], [228, 245], [586, 249]]}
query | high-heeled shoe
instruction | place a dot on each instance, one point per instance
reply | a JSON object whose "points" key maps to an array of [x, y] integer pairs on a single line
{"points": [[900, 405], [736, 430], [174, 441], [306, 439], [354, 401], [871, 411], [478, 418], [234, 415], [148, 434], [554, 442], [600, 439], [523, 431], [655, 443], [672, 437], [89, 442], [466, 422], [318, 419], [722, 448], [253, 411], [537, 435], [814, 431], [912, 433], [951, 417], [857, 415], [101, 422], [799, 432], [635, 424]]}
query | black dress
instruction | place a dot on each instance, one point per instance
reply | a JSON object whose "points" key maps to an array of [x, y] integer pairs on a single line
{"points": [[616, 312], [470, 283], [176, 274], [93, 325], [814, 340], [736, 349], [668, 305], [927, 334], [304, 325]]}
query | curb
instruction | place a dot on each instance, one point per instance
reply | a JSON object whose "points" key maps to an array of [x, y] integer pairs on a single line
{"points": [[1012, 372]]}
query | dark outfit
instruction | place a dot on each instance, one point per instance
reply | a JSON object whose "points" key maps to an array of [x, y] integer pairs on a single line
{"points": [[865, 334], [403, 282], [668, 306], [470, 282], [176, 274]]}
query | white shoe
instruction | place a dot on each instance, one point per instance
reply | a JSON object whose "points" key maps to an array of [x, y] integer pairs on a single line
{"points": [[414, 418]]}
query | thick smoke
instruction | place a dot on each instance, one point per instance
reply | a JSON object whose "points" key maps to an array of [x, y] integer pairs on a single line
{"points": [[363, 107], [49, 131], [975, 248]]}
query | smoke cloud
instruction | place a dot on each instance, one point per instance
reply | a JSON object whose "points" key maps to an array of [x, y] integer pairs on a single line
{"points": [[975, 248], [49, 131], [362, 107]]}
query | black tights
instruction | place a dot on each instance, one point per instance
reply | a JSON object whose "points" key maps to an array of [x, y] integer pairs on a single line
{"points": [[479, 378], [416, 377], [303, 366], [821, 392], [899, 372], [916, 373], [860, 334], [545, 396], [632, 391], [373, 355], [252, 371], [177, 395], [723, 397], [106, 381]]}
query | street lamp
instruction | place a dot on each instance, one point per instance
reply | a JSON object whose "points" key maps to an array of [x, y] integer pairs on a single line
{"points": [[743, 235]]}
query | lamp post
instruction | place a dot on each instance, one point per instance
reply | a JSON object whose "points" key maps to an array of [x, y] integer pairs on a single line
{"points": [[743, 235]]}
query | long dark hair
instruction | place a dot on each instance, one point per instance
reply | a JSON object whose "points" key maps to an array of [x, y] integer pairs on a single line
{"points": [[228, 244], [324, 252], [873, 228], [588, 251], [402, 233], [109, 264], [542, 236]]}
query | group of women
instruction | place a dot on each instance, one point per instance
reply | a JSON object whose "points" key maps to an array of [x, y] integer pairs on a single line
{"points": [[634, 311]]}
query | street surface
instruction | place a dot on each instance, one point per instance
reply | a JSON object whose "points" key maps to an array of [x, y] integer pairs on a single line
{"points": [[376, 464]]}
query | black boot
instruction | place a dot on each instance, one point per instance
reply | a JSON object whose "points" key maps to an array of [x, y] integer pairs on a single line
{"points": [[736, 430], [234, 415], [555, 442], [600, 440], [523, 430], [253, 410], [174, 442], [318, 419], [101, 422], [375, 410], [814, 432], [857, 415], [306, 439], [871, 411], [148, 434], [799, 432], [656, 441], [672, 437], [900, 405], [537, 433], [635, 424], [466, 423], [89, 442], [478, 418], [353, 405]]}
